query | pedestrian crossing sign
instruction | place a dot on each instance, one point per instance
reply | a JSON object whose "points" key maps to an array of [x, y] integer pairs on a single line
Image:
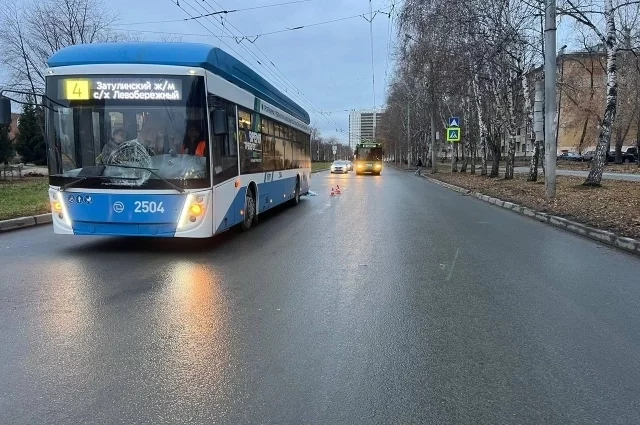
{"points": [[453, 134]]}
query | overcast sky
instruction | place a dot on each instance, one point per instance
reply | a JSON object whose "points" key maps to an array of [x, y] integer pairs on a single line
{"points": [[330, 64]]}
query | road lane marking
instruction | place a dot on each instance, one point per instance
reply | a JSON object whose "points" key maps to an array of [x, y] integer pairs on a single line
{"points": [[453, 264]]}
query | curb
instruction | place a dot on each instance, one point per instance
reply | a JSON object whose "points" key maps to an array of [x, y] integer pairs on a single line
{"points": [[319, 171], [22, 222], [629, 245]]}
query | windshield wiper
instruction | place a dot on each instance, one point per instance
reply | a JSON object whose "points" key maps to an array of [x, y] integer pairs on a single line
{"points": [[83, 178], [151, 170]]}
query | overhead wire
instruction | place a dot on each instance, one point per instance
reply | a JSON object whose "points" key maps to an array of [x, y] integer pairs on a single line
{"points": [[177, 3], [219, 12], [282, 77], [243, 37], [254, 36], [224, 28]]}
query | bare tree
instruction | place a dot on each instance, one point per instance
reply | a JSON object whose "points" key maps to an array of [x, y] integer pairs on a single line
{"points": [[617, 16], [35, 30]]}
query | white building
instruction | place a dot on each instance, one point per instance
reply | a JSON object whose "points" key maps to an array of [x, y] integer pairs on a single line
{"points": [[363, 125]]}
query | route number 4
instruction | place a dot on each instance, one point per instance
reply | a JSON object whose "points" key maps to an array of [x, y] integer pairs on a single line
{"points": [[77, 89], [148, 207]]}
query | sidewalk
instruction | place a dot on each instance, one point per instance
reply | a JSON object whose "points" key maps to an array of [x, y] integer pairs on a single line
{"points": [[576, 173]]}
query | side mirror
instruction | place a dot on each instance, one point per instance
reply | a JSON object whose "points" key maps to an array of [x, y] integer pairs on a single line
{"points": [[5, 110], [219, 121]]}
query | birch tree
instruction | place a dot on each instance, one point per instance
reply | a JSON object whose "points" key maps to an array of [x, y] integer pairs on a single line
{"points": [[471, 56], [605, 24], [433, 45]]}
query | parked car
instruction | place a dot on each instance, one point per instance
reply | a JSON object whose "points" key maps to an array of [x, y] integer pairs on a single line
{"points": [[626, 156], [339, 167], [570, 156], [630, 155], [633, 152]]}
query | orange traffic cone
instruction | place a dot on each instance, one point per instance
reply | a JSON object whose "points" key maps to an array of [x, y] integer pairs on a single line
{"points": [[338, 190], [332, 193]]}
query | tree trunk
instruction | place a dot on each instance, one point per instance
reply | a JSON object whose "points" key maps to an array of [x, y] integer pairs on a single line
{"points": [[466, 148], [495, 164], [511, 154], [510, 113], [481, 124], [427, 157], [454, 157], [533, 164], [483, 165], [583, 135], [609, 117], [473, 158], [618, 147], [465, 158], [434, 142], [621, 136]]}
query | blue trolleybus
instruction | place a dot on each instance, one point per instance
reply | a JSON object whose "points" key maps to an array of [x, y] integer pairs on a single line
{"points": [[167, 139]]}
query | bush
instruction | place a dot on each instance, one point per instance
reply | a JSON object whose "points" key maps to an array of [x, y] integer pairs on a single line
{"points": [[30, 142], [6, 147]]}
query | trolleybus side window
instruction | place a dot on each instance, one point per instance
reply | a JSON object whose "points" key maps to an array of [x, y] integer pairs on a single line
{"points": [[250, 143], [268, 144], [224, 155]]}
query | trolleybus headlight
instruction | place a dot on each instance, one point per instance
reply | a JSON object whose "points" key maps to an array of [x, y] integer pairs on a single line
{"points": [[358, 165], [378, 166], [193, 209], [58, 208]]}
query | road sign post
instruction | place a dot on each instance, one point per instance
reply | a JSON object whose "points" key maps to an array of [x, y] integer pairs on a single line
{"points": [[335, 150]]}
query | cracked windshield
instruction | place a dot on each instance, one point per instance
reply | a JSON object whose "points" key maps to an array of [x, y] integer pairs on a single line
{"points": [[320, 212]]}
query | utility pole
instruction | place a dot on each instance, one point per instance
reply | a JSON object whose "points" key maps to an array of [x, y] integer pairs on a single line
{"points": [[538, 128], [374, 125], [550, 66], [349, 129], [408, 130], [434, 141]]}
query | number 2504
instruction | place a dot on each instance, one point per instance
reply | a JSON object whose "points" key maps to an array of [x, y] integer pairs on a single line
{"points": [[148, 207]]}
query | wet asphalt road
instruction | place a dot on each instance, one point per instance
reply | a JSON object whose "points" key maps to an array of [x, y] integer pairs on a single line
{"points": [[398, 302]]}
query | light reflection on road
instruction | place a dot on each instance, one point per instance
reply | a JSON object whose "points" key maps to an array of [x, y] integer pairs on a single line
{"points": [[68, 313], [195, 321]]}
